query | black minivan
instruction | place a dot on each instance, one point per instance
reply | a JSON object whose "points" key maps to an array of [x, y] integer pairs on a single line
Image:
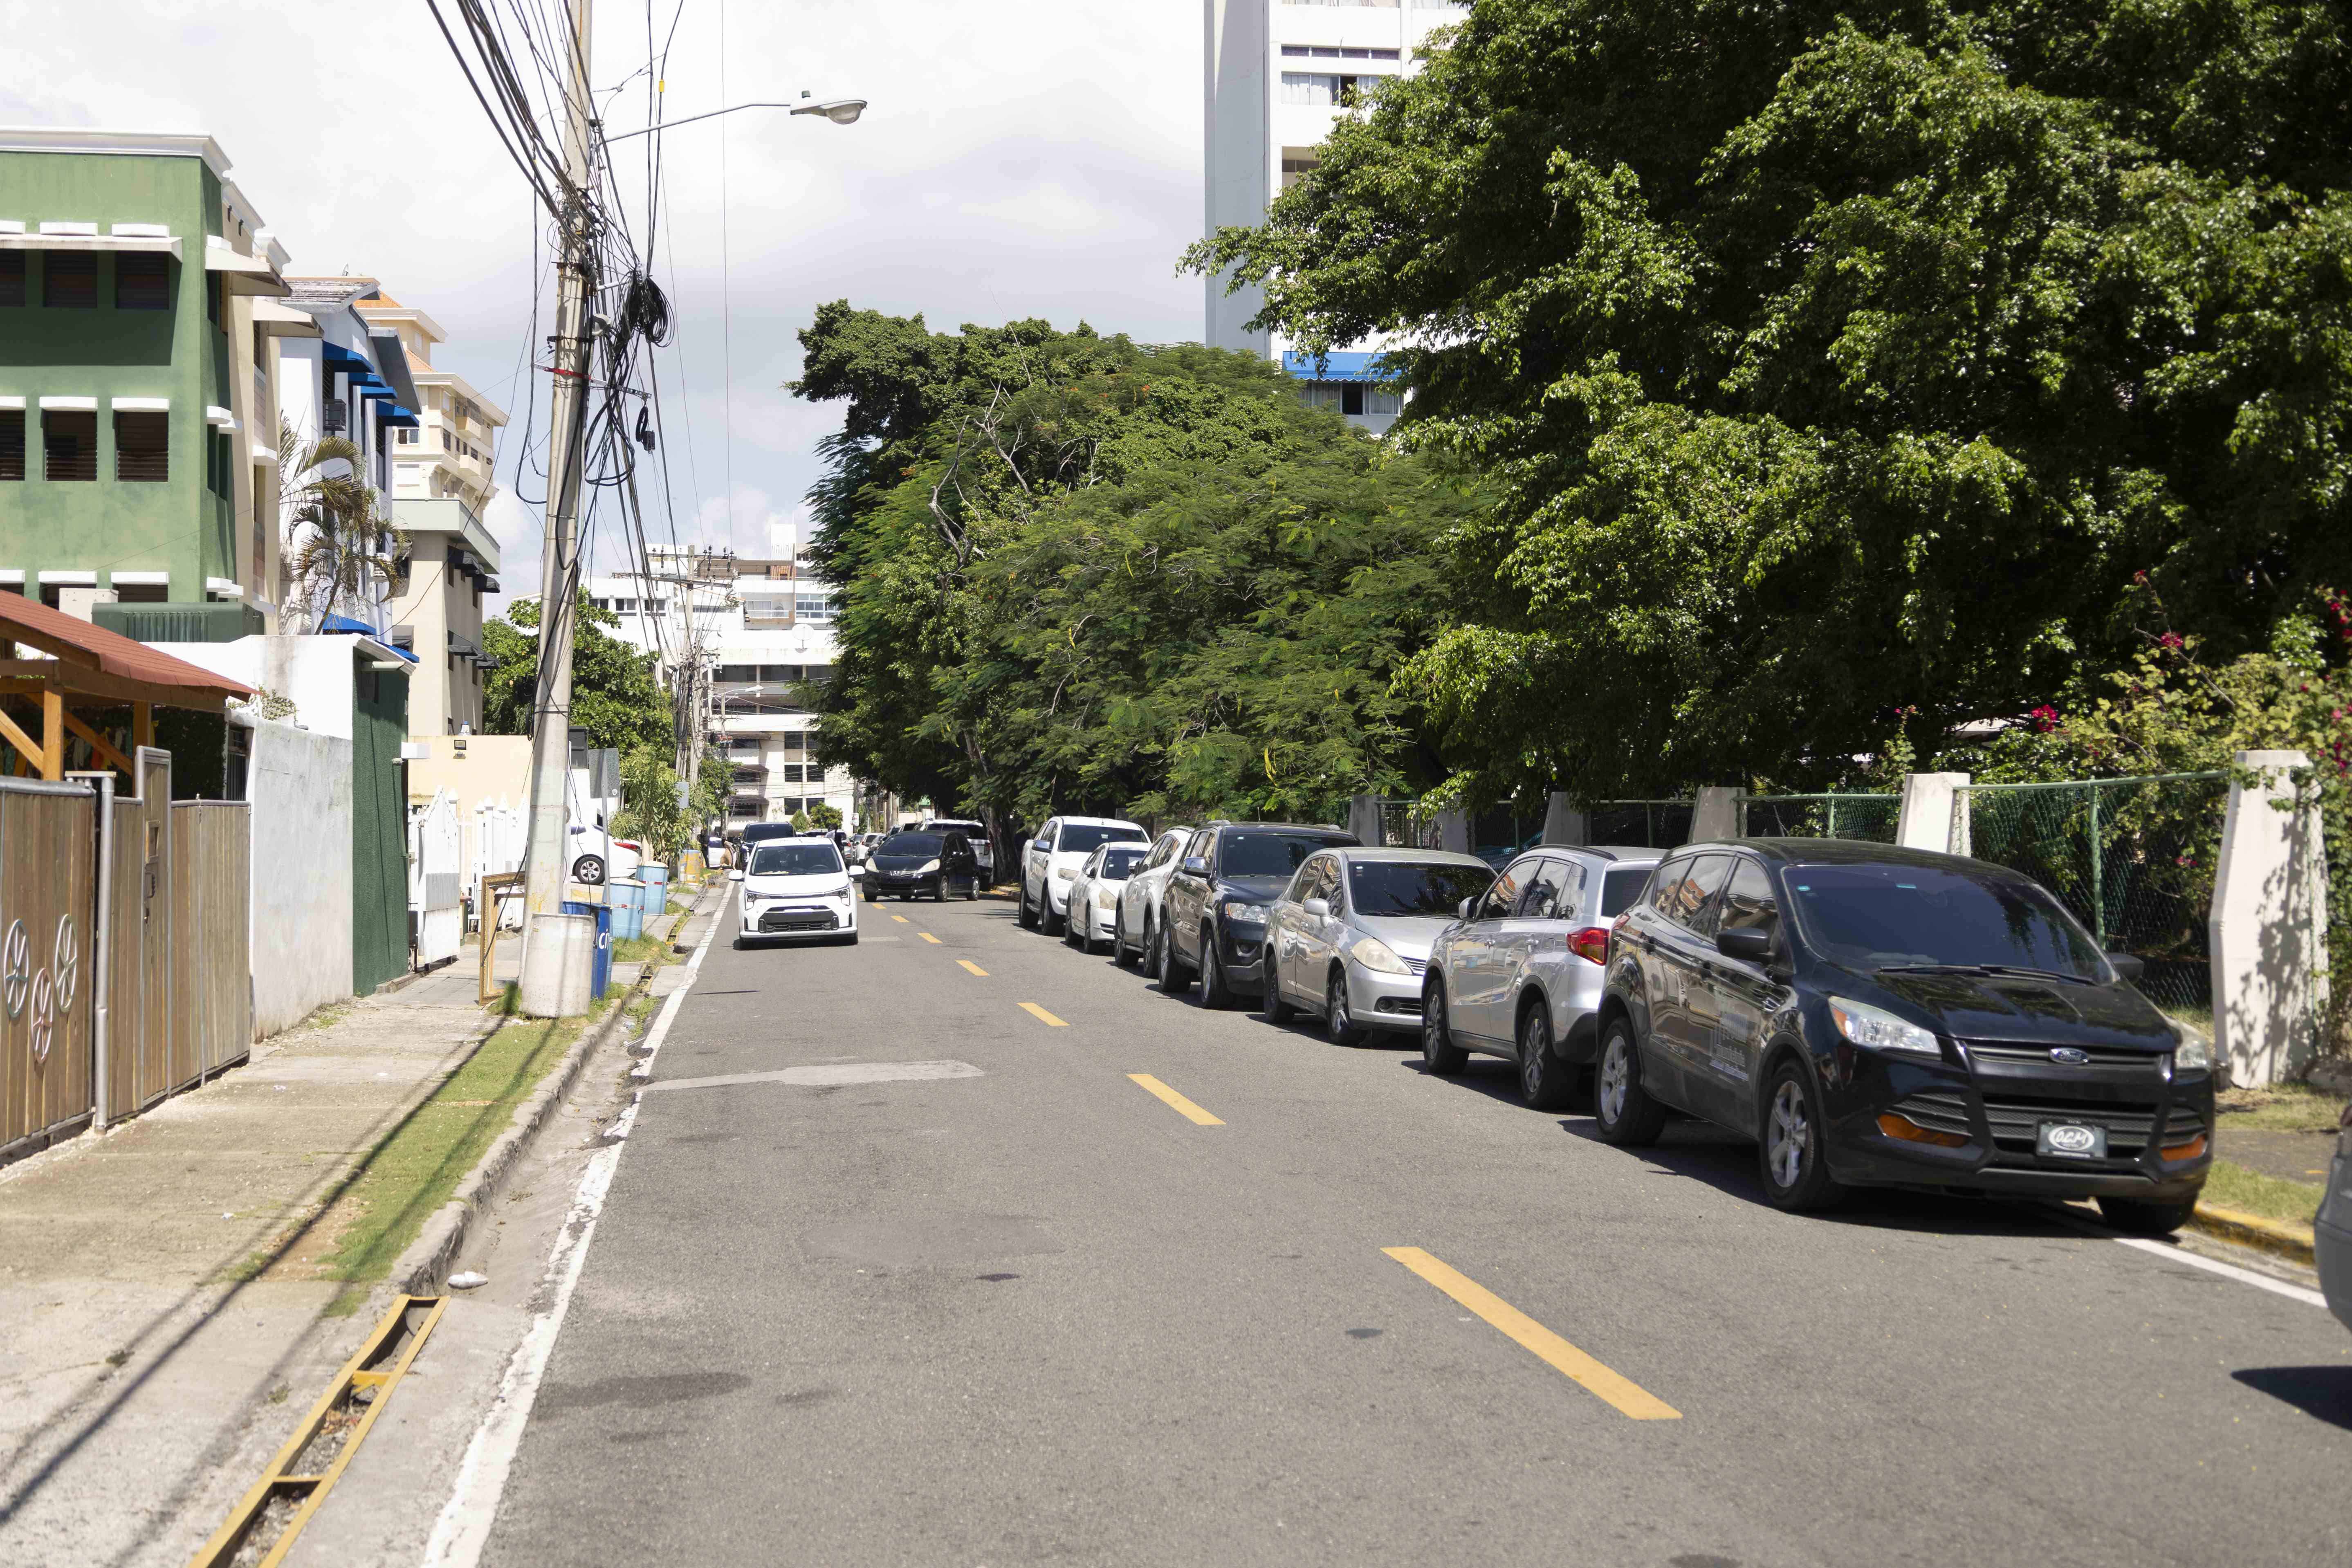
{"points": [[1879, 1016]]}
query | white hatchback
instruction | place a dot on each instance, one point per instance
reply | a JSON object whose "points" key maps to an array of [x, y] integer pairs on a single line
{"points": [[797, 889], [1051, 859]]}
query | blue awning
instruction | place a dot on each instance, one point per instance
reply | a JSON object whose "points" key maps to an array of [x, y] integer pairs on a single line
{"points": [[402, 417], [368, 386], [341, 357], [1337, 367], [346, 624]]}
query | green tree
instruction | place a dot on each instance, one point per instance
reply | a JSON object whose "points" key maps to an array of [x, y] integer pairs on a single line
{"points": [[650, 811], [617, 696], [1078, 573], [825, 818], [1838, 362]]}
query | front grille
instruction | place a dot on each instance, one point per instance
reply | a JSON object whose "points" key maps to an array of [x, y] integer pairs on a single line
{"points": [[799, 919], [2016, 1119], [1418, 966], [2008, 1053]]}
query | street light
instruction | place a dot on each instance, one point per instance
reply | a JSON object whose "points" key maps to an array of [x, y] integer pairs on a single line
{"points": [[840, 110]]}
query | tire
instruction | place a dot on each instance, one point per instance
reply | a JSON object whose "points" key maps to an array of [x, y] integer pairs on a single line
{"points": [[971, 890], [1170, 970], [1546, 1082], [1027, 919], [1047, 921], [1623, 1109], [1789, 1143], [2142, 1217], [850, 940], [939, 889], [1271, 1006], [1119, 950], [873, 895], [1215, 990], [1339, 1023], [1440, 1057], [589, 870], [1070, 931]]}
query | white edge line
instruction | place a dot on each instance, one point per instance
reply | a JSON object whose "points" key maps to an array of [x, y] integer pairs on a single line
{"points": [[463, 1528], [2227, 1270]]}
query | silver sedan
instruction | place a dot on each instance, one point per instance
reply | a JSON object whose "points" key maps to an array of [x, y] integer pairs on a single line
{"points": [[1350, 937]]}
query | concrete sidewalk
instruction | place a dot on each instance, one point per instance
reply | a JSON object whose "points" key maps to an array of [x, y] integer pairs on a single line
{"points": [[157, 1337]]}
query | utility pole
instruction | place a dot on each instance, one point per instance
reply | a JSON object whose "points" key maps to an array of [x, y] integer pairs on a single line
{"points": [[548, 864]]}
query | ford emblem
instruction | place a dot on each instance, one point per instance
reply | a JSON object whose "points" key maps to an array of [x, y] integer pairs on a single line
{"points": [[2071, 1140], [2067, 1056]]}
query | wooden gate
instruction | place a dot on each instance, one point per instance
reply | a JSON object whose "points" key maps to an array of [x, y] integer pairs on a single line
{"points": [[48, 856], [211, 922]]}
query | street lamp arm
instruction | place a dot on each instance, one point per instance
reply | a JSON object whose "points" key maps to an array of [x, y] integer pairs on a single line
{"points": [[840, 110]]}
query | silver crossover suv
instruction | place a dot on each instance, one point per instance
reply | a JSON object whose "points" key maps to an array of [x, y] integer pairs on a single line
{"points": [[1349, 936], [1522, 974]]}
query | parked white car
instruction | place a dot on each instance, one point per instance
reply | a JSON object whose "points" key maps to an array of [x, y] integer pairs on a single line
{"points": [[797, 889], [974, 834], [1139, 897], [1051, 859], [1094, 893]]}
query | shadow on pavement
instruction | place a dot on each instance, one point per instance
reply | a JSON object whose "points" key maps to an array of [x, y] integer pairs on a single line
{"points": [[2325, 1391]]}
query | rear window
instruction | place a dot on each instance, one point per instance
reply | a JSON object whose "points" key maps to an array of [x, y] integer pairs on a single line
{"points": [[1077, 838], [909, 844], [1620, 889], [802, 857]]}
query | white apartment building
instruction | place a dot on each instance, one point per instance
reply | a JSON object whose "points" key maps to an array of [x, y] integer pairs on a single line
{"points": [[737, 634], [1278, 73]]}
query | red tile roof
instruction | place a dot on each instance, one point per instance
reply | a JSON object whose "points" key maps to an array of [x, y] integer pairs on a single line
{"points": [[77, 642]]}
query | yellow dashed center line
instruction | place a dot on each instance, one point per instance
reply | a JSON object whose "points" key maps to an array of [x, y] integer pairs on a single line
{"points": [[975, 968], [928, 937], [1041, 1015], [900, 919], [1627, 1397], [1181, 1106]]}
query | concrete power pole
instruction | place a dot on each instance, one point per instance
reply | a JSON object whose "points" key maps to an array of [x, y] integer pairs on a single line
{"points": [[548, 953]]}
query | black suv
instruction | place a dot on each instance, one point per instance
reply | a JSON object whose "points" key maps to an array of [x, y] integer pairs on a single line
{"points": [[913, 864], [1890, 1017], [1212, 912]]}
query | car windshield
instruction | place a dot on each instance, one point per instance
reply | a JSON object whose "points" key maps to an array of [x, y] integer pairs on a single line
{"points": [[811, 857], [1620, 887], [1413, 887], [1896, 917], [1267, 854], [1078, 838], [909, 844], [1118, 865]]}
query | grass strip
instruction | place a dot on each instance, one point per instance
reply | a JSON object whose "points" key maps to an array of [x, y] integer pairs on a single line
{"points": [[2232, 1186], [653, 950], [419, 1164], [2280, 1107]]}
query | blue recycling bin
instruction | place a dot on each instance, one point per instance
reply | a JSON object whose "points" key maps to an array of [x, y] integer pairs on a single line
{"points": [[599, 968], [628, 911], [655, 899]]}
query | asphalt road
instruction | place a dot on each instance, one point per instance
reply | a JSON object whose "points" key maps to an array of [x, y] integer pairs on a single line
{"points": [[1035, 1312]]}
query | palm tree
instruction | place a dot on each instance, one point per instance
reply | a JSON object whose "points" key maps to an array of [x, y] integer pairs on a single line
{"points": [[335, 535]]}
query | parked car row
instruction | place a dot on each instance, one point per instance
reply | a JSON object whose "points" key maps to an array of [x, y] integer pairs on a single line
{"points": [[1868, 1015]]}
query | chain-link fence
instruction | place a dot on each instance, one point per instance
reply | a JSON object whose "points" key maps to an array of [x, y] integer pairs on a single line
{"points": [[1639, 824], [1859, 815], [2133, 858]]}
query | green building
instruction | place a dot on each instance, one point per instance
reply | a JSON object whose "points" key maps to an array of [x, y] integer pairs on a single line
{"points": [[138, 414]]}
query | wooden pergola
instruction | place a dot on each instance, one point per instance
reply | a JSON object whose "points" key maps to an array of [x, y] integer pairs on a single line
{"points": [[89, 667]]}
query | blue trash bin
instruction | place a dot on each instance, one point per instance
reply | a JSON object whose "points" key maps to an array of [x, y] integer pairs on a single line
{"points": [[600, 971], [628, 911], [655, 899]]}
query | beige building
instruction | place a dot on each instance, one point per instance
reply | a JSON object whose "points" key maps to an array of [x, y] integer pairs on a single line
{"points": [[441, 488]]}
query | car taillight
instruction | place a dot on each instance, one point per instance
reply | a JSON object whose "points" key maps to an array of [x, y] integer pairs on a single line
{"points": [[1591, 944]]}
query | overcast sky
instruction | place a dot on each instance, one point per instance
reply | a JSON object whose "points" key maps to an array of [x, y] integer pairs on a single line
{"points": [[1020, 158]]}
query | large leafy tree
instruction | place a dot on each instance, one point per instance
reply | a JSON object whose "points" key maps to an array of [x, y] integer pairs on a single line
{"points": [[1840, 361], [615, 694], [1081, 574]]}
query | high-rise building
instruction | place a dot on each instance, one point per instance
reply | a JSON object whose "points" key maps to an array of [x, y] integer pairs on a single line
{"points": [[1278, 72]]}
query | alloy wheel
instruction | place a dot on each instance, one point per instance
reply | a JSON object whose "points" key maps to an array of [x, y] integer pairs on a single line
{"points": [[1789, 1135], [1616, 1077]]}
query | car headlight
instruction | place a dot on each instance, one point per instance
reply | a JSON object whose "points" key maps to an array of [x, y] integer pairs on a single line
{"points": [[1243, 915], [2194, 1053], [1064, 873], [1105, 898], [927, 867], [1880, 1031], [1378, 956]]}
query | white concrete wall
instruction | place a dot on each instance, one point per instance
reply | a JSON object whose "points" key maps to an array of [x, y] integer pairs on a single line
{"points": [[1926, 819], [1237, 111], [2268, 926], [313, 672], [300, 783]]}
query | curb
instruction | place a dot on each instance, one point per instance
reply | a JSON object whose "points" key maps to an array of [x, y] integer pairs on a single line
{"points": [[423, 1269], [2269, 1236]]}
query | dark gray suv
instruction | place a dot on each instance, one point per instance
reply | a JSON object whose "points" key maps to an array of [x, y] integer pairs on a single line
{"points": [[1213, 914]]}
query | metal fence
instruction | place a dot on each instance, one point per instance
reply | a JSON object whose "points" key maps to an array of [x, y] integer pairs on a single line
{"points": [[1832, 815], [2133, 858], [1643, 823]]}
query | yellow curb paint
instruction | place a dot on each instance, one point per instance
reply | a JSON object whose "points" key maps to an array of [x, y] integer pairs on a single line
{"points": [[1041, 1015], [1626, 1397], [975, 968], [900, 919], [929, 938], [1181, 1106]]}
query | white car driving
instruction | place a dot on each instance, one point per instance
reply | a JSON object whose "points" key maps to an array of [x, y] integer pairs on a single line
{"points": [[797, 889], [1049, 861], [1094, 893], [1139, 897]]}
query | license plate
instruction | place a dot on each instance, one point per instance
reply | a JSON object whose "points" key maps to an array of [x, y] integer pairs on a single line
{"points": [[2071, 1140]]}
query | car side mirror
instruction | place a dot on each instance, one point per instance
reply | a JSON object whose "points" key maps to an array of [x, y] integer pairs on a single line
{"points": [[736, 875], [1317, 908], [1746, 943], [1464, 909], [2127, 967], [1196, 864]]}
